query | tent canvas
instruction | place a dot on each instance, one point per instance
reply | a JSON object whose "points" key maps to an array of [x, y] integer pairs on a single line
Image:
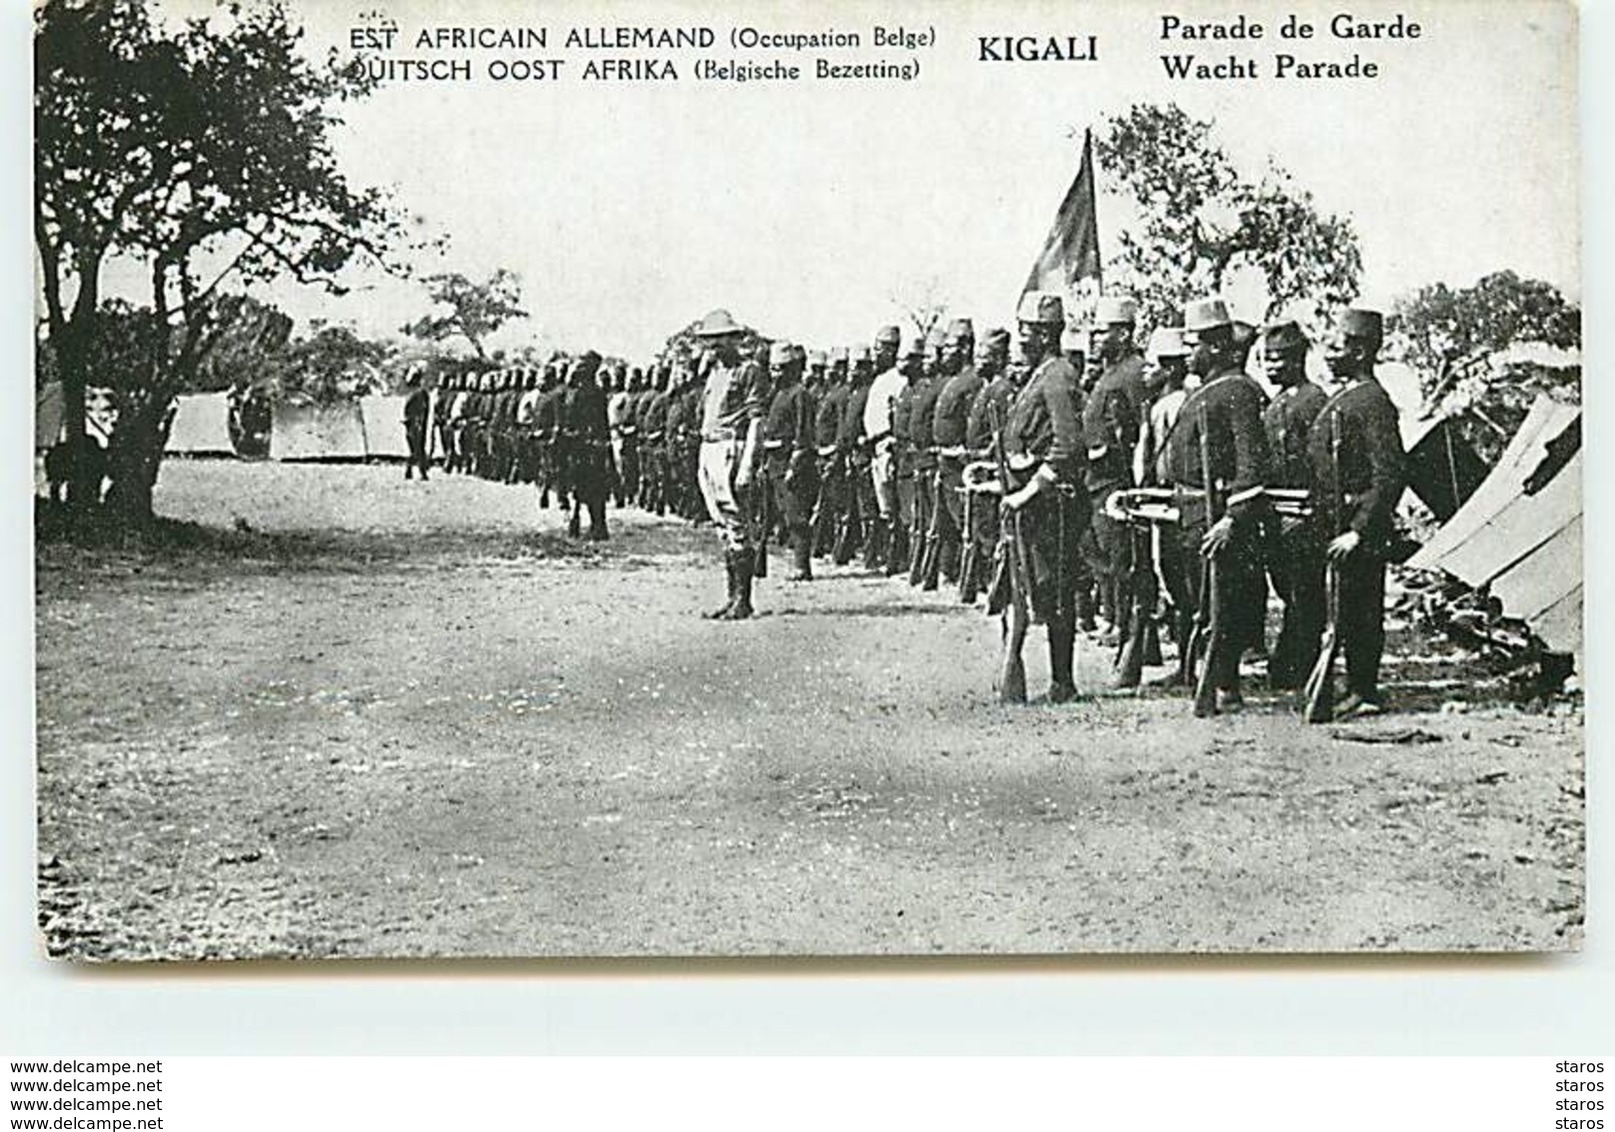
{"points": [[1506, 482], [384, 425], [317, 432], [201, 425], [1518, 529]]}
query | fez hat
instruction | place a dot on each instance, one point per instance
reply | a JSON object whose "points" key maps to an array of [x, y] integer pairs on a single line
{"points": [[1166, 342], [779, 354], [816, 359], [996, 341], [888, 334], [1041, 307], [717, 324], [1205, 314], [1285, 335], [838, 355], [1074, 337], [915, 347], [1359, 323], [960, 328], [1113, 309]]}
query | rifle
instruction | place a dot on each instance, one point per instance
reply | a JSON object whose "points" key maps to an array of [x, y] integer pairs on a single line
{"points": [[1208, 621], [763, 521], [1131, 656], [1012, 544], [916, 534], [930, 568], [967, 560], [1319, 691]]}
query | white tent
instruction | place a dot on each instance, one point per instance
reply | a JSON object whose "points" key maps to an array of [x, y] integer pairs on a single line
{"points": [[201, 426], [317, 432], [384, 425]]}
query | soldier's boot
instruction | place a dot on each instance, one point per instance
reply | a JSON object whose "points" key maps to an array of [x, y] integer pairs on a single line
{"points": [[741, 608], [1152, 643], [875, 544], [802, 559], [1085, 617], [573, 527], [731, 571], [1062, 650], [948, 561], [896, 549]]}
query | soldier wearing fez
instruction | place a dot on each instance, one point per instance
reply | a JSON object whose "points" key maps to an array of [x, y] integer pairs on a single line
{"points": [[1219, 434], [417, 411], [1294, 557], [948, 421], [923, 560], [1047, 461], [993, 399], [891, 539], [1358, 474], [588, 445], [788, 443], [828, 407], [734, 399], [909, 366], [1111, 420]]}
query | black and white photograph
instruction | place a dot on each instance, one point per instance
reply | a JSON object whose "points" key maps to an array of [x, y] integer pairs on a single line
{"points": [[625, 480]]}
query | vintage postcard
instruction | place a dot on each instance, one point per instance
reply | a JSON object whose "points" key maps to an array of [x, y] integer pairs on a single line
{"points": [[620, 479]]}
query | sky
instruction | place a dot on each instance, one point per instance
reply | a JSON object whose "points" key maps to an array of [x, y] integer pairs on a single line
{"points": [[814, 210]]}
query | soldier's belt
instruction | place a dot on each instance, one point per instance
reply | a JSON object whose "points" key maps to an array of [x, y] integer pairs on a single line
{"points": [[773, 445], [719, 436], [878, 437], [953, 452], [653, 437], [1023, 462], [826, 450]]}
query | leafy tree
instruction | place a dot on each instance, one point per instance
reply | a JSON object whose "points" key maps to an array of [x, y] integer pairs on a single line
{"points": [[1200, 221], [334, 364], [474, 310], [1464, 343], [182, 149]]}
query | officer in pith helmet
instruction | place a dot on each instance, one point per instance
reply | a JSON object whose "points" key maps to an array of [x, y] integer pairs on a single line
{"points": [[733, 403], [1358, 471]]}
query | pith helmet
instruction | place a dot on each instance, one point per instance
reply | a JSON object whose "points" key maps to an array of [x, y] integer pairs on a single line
{"points": [[779, 354], [1041, 308], [717, 324], [1202, 315], [1113, 309], [1166, 342]]}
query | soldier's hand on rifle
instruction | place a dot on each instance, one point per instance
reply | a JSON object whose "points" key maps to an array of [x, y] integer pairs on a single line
{"points": [[1217, 537], [1345, 544]]}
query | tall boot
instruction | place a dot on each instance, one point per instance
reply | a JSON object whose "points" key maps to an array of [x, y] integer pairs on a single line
{"points": [[741, 607], [896, 549], [875, 544], [1062, 649], [732, 570]]}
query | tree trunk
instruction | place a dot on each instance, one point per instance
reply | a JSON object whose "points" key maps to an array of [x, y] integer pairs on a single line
{"points": [[135, 457]]}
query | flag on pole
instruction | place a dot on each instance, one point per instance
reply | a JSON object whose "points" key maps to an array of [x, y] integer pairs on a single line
{"points": [[1071, 251]]}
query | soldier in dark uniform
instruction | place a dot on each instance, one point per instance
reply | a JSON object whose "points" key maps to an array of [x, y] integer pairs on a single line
{"points": [[417, 409], [889, 539], [826, 431], [921, 422], [813, 380], [441, 404], [788, 444], [899, 552], [1220, 425], [683, 440], [1294, 558], [1043, 445], [1112, 417], [1358, 473], [653, 427], [949, 417], [734, 401], [998, 389], [688, 432], [861, 514], [588, 438]]}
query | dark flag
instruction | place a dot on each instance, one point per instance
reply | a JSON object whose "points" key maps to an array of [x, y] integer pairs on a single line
{"points": [[1071, 251]]}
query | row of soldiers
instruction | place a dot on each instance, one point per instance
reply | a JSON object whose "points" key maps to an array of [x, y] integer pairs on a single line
{"points": [[1111, 469]]}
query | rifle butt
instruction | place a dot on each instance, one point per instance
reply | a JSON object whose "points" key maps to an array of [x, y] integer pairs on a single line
{"points": [[1012, 668]]}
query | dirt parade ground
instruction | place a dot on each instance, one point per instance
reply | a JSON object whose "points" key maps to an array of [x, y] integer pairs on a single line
{"points": [[354, 716]]}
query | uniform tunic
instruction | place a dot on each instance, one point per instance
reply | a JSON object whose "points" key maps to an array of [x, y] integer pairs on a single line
{"points": [[788, 443], [732, 398], [1359, 493], [1044, 431]]}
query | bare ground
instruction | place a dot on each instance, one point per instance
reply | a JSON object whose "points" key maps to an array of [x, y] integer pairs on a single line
{"points": [[357, 717]]}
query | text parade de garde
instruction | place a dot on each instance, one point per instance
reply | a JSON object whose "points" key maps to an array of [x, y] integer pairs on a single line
{"points": [[1311, 50]]}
